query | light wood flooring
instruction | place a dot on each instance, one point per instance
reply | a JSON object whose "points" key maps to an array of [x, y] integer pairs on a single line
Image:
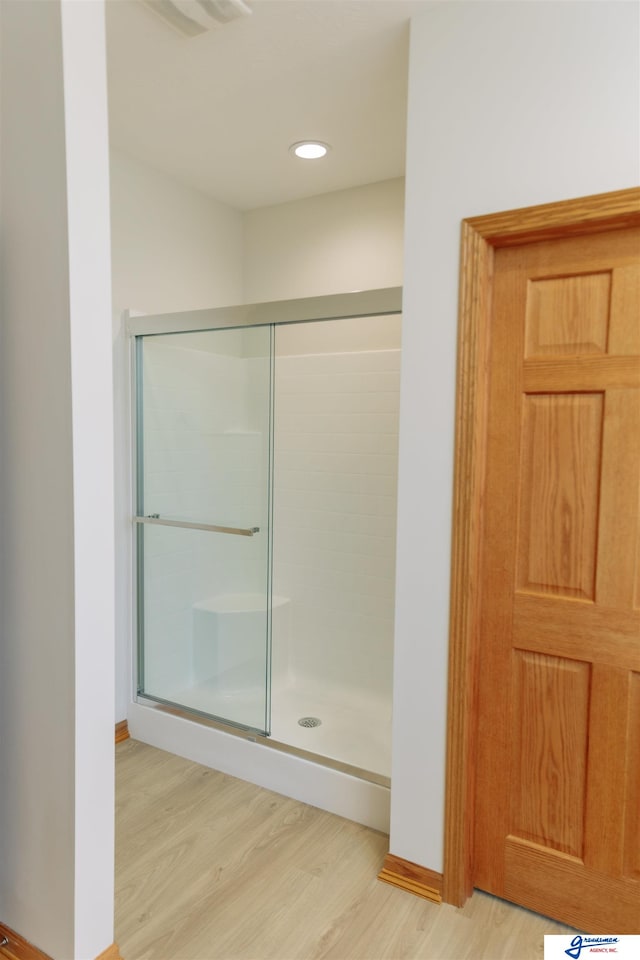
{"points": [[211, 868]]}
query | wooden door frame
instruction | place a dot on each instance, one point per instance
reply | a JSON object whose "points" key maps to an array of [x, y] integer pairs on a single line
{"points": [[481, 236]]}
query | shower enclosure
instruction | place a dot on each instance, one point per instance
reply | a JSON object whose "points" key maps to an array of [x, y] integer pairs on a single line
{"points": [[266, 460]]}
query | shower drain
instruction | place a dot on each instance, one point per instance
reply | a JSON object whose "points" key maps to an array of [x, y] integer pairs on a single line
{"points": [[309, 722]]}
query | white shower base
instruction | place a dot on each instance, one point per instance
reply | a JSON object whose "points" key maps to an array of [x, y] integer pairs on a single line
{"points": [[354, 729]]}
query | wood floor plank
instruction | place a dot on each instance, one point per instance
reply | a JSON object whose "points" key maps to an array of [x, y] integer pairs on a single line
{"points": [[211, 868]]}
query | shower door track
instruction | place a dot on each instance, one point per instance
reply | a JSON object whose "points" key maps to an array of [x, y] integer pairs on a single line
{"points": [[339, 306]]}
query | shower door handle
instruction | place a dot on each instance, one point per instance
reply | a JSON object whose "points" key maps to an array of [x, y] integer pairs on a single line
{"points": [[155, 518]]}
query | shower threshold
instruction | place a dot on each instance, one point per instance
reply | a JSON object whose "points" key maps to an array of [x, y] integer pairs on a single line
{"points": [[271, 742]]}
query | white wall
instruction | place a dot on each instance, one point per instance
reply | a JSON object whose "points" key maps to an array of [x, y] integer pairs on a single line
{"points": [[173, 249], [56, 656], [334, 243], [510, 104]]}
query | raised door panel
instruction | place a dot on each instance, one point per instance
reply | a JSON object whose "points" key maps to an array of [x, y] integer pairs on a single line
{"points": [[568, 315], [620, 501], [551, 728], [559, 504]]}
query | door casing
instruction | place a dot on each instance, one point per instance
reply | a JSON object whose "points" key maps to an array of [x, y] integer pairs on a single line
{"points": [[481, 236]]}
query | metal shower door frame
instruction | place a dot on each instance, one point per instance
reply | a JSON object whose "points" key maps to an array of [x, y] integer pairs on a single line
{"points": [[385, 301]]}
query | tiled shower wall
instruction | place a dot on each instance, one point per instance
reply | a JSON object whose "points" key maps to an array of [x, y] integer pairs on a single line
{"points": [[336, 441]]}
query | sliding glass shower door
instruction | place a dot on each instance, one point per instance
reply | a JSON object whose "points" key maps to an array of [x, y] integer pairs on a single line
{"points": [[204, 425]]}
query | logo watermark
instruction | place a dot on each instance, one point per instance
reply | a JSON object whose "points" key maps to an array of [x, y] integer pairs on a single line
{"points": [[558, 947]]}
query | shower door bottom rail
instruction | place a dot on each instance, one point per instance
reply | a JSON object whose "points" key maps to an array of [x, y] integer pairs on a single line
{"points": [[155, 518]]}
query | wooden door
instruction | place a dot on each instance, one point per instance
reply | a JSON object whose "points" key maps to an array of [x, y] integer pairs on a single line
{"points": [[557, 793]]}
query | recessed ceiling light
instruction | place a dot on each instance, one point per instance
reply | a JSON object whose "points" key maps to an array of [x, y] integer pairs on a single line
{"points": [[309, 149]]}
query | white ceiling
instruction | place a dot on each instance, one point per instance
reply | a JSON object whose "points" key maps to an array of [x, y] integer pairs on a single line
{"points": [[220, 110]]}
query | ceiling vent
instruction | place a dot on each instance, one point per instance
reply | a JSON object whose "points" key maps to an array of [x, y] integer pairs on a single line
{"points": [[193, 17]]}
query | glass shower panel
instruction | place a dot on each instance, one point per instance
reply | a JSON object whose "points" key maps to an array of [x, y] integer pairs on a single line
{"points": [[204, 522], [337, 391]]}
